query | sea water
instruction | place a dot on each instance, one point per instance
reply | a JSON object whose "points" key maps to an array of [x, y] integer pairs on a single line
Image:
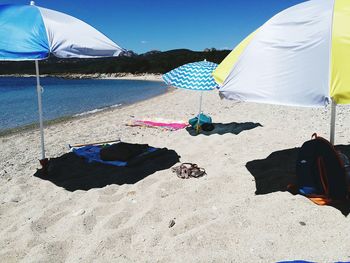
{"points": [[67, 97]]}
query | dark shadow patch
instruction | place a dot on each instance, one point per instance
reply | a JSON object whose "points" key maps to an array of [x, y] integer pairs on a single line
{"points": [[223, 128], [274, 173], [74, 173], [277, 171]]}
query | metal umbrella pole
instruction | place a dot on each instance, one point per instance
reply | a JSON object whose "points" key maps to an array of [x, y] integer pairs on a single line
{"points": [[333, 115], [200, 111], [40, 108]]}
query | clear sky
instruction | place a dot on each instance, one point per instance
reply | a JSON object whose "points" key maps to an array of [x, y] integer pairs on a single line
{"points": [[144, 25]]}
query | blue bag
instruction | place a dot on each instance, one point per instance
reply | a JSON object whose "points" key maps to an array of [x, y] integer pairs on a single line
{"points": [[202, 119]]}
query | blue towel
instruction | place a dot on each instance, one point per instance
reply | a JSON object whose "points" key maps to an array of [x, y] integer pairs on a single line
{"points": [[92, 154]]}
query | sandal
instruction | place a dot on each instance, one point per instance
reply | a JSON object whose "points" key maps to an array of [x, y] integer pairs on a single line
{"points": [[198, 172], [187, 170]]}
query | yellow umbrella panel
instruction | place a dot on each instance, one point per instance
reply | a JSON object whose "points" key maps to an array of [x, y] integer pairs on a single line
{"points": [[340, 63]]}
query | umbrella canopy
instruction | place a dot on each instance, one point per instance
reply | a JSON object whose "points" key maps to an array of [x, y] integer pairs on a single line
{"points": [[28, 32], [299, 57], [194, 76]]}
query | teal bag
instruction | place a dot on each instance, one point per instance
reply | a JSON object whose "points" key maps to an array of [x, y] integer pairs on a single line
{"points": [[202, 119]]}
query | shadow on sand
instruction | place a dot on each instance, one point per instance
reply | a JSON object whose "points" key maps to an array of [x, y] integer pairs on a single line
{"points": [[223, 128], [277, 171], [74, 173]]}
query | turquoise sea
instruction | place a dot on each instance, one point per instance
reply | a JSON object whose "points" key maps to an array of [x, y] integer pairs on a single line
{"points": [[67, 97]]}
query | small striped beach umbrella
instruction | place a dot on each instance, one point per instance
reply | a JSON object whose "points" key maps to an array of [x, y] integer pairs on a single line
{"points": [[193, 76], [300, 57], [29, 32]]}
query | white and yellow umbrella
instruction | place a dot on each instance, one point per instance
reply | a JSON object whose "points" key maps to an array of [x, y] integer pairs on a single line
{"points": [[299, 57]]}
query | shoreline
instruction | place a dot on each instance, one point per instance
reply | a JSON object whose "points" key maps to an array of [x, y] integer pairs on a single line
{"points": [[64, 119], [116, 76]]}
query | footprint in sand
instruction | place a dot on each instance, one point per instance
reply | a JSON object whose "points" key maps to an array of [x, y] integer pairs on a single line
{"points": [[171, 186], [56, 251], [118, 220], [103, 210], [108, 198], [147, 182], [89, 223], [151, 217], [120, 240], [52, 216], [191, 223], [13, 255], [47, 220]]}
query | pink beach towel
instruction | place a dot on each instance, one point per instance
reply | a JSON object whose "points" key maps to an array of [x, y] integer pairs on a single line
{"points": [[172, 126]]}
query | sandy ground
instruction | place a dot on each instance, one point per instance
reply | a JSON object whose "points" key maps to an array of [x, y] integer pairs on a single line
{"points": [[238, 212], [150, 77]]}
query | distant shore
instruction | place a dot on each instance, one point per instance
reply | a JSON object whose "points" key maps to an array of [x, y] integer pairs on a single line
{"points": [[126, 76]]}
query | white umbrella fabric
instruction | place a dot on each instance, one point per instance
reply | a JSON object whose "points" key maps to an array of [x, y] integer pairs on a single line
{"points": [[299, 57]]}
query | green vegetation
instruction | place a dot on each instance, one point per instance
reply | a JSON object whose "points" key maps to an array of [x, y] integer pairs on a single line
{"points": [[151, 62]]}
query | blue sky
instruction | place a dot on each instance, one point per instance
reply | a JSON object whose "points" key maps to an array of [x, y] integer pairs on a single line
{"points": [[143, 25]]}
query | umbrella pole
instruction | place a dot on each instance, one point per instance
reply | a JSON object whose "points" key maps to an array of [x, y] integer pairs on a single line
{"points": [[333, 115], [200, 110], [39, 91]]}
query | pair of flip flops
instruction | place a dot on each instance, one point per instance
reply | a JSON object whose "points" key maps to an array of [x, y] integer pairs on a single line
{"points": [[187, 170]]}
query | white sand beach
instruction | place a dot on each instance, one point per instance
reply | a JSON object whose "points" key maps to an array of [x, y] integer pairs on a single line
{"points": [[146, 76], [218, 217], [127, 76]]}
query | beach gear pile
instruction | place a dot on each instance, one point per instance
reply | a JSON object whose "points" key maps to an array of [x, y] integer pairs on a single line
{"points": [[323, 173], [201, 122], [118, 154]]}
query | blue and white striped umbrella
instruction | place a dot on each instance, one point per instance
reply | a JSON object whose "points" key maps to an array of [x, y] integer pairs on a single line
{"points": [[194, 76], [29, 32]]}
